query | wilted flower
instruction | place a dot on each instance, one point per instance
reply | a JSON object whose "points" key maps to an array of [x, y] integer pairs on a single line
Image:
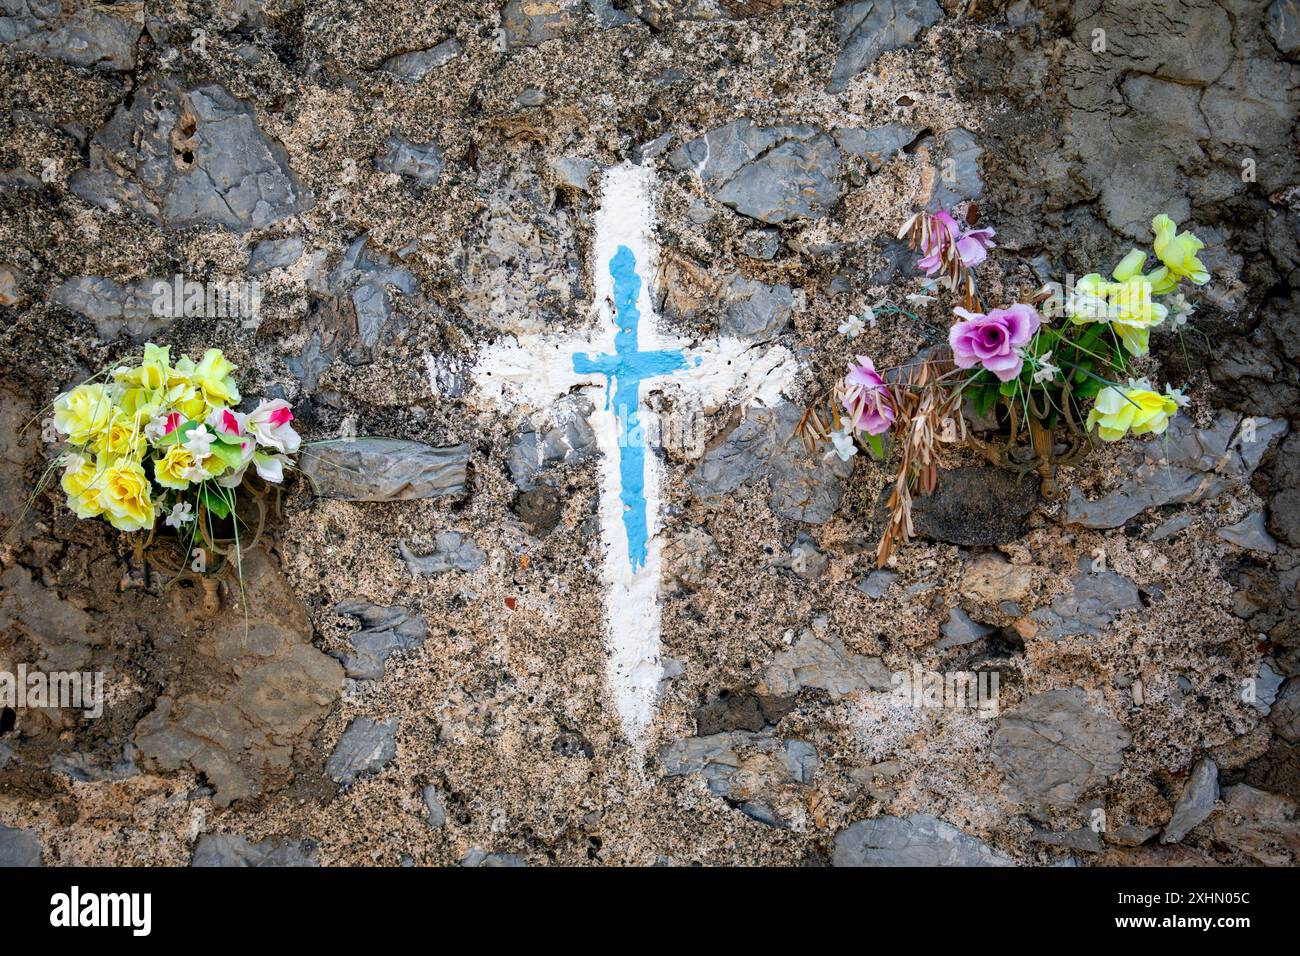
{"points": [[994, 340], [867, 399], [972, 246], [919, 299]]}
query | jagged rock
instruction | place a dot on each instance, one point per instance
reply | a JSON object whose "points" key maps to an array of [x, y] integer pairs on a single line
{"points": [[755, 310], [1200, 796], [414, 66], [1082, 839], [877, 583], [452, 551], [190, 158], [960, 629], [480, 857], [561, 435], [1250, 533], [384, 631], [917, 840], [1200, 464], [959, 170], [385, 469], [229, 849], [1053, 748], [824, 663], [85, 768], [877, 146], [972, 506], [991, 578], [83, 34], [422, 161], [660, 14], [1267, 683], [1088, 608], [274, 254], [868, 28], [1285, 713], [437, 813], [1283, 21], [241, 730], [1262, 825], [366, 747], [764, 776], [19, 848], [763, 449], [1129, 835], [574, 171], [774, 174], [113, 308]]}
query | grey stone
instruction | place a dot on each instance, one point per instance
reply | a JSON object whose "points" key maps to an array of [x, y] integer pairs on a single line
{"points": [[1129, 835], [1250, 533], [99, 36], [452, 551], [1267, 683], [774, 174], [479, 857], [1285, 713], [531, 96], [959, 177], [366, 747], [805, 558], [19, 848], [83, 767], [1083, 839], [384, 469], [916, 840], [190, 158], [763, 449], [1089, 607], [384, 631], [112, 307], [421, 161], [229, 849], [274, 254], [868, 28], [1263, 826], [824, 663], [875, 584], [972, 506], [960, 629], [526, 23], [1053, 748], [1186, 466], [1171, 527], [761, 244], [755, 310], [559, 436], [414, 66], [437, 813], [764, 776], [877, 146], [573, 171], [1200, 796], [1283, 22]]}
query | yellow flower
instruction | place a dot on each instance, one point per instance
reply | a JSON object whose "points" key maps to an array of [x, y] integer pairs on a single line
{"points": [[82, 481], [122, 438], [1137, 408], [1127, 305], [150, 374], [170, 470], [213, 379], [126, 496], [83, 413], [1177, 250]]}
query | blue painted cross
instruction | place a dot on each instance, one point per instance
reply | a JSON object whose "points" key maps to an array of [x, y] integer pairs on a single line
{"points": [[626, 369]]}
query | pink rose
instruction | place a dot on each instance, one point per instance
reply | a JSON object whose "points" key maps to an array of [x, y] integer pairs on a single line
{"points": [[866, 398], [994, 340]]}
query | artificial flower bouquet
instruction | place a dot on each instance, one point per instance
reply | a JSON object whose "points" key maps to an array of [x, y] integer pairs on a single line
{"points": [[1049, 365], [150, 438]]}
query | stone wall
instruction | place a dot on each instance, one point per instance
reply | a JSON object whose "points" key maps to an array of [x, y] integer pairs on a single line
{"points": [[422, 677]]}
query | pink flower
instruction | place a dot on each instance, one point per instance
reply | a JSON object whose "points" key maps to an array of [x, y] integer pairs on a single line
{"points": [[227, 424], [171, 422], [269, 424], [866, 398], [972, 246], [994, 340]]}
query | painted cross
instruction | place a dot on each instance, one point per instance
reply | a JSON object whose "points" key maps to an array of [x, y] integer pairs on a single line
{"points": [[623, 353]]}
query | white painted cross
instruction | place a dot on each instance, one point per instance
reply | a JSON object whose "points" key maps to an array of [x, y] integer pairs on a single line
{"points": [[623, 352]]}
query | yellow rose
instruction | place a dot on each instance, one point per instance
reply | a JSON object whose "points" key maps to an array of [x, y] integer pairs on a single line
{"points": [[1177, 250], [1127, 305], [126, 496], [150, 374], [1137, 408], [122, 438], [82, 481], [213, 379], [169, 470], [83, 413]]}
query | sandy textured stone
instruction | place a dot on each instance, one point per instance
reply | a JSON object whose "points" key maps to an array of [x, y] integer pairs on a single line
{"points": [[385, 469], [918, 840]]}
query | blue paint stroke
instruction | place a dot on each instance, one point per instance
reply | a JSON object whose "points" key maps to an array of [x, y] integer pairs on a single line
{"points": [[626, 369]]}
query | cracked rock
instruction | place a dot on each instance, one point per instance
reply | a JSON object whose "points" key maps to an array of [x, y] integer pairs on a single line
{"points": [[824, 663], [384, 631], [452, 551], [83, 34], [414, 66], [917, 840], [560, 436], [229, 849], [869, 28], [1088, 608], [421, 161], [19, 848], [763, 776], [190, 158], [756, 311], [366, 747], [385, 469], [1198, 801]]}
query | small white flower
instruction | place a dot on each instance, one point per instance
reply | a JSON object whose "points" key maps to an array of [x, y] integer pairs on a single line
{"points": [[919, 299], [194, 474], [843, 445], [199, 442], [1180, 310], [852, 327], [181, 515], [1045, 371], [1177, 395]]}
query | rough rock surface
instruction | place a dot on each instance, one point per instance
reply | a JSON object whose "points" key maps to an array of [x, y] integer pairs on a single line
{"points": [[227, 849], [385, 469], [918, 840], [365, 747]]}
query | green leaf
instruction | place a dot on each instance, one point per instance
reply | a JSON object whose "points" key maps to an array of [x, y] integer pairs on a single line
{"points": [[178, 435], [877, 445], [1007, 389], [232, 456], [214, 502]]}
